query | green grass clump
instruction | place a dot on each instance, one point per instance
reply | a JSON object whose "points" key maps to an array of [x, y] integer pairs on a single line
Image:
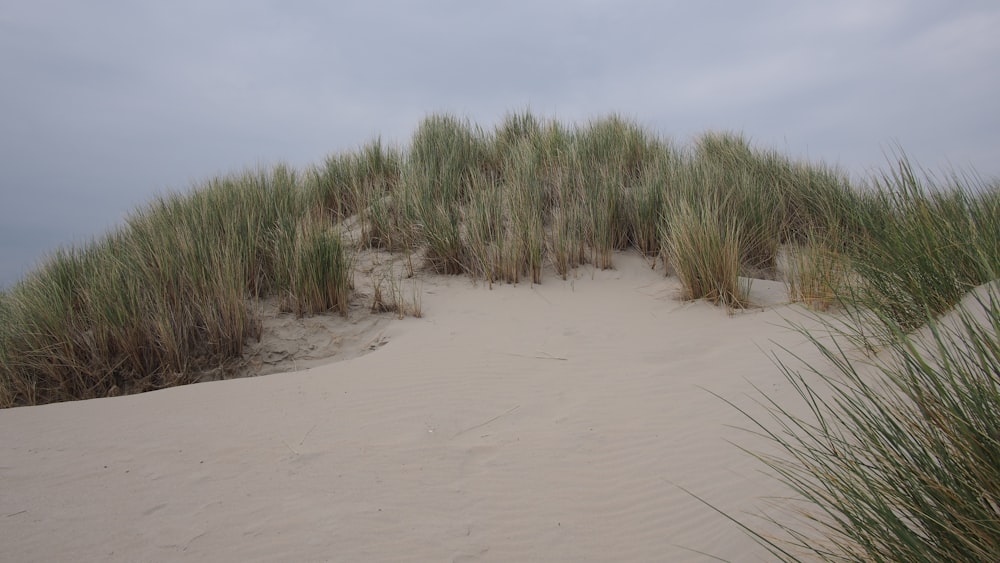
{"points": [[746, 186], [617, 145], [704, 250], [900, 458], [817, 273], [505, 220], [567, 244], [515, 130], [529, 203], [320, 278], [314, 270], [445, 154], [169, 295], [359, 184], [610, 157], [602, 191], [645, 202], [486, 228], [922, 245]]}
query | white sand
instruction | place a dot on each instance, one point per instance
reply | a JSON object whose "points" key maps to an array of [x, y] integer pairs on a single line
{"points": [[545, 423]]}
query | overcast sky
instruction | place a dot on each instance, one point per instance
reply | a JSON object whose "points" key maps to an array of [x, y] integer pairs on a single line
{"points": [[106, 103]]}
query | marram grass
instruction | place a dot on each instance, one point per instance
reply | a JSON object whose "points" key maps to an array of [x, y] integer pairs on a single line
{"points": [[703, 248], [816, 273], [899, 459], [507, 205], [167, 296]]}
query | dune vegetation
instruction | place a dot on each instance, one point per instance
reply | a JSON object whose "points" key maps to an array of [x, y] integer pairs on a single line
{"points": [[904, 469], [899, 459]]}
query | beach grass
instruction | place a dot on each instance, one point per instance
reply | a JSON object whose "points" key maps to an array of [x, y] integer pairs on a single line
{"points": [[925, 244], [703, 247], [169, 295], [899, 458], [816, 272], [502, 205]]}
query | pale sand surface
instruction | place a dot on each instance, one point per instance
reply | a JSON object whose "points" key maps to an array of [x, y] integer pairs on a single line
{"points": [[553, 422]]}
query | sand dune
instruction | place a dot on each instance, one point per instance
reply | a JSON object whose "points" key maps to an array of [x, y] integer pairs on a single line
{"points": [[555, 422]]}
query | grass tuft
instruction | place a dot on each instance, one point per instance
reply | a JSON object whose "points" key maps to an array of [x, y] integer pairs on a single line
{"points": [[704, 251], [924, 245], [816, 273], [900, 460]]}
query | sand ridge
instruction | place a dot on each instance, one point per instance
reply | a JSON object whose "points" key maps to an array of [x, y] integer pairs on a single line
{"points": [[551, 422]]}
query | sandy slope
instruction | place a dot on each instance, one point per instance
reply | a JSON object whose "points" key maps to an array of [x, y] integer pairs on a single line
{"points": [[545, 423]]}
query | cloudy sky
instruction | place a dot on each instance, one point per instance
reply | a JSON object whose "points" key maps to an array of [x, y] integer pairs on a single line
{"points": [[106, 103]]}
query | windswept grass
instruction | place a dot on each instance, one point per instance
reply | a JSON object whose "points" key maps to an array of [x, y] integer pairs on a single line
{"points": [[899, 457], [444, 156], [645, 202], [900, 460], [359, 184], [167, 296], [611, 156], [316, 272], [923, 245], [744, 186], [528, 204], [567, 243], [704, 250], [486, 230], [816, 272]]}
